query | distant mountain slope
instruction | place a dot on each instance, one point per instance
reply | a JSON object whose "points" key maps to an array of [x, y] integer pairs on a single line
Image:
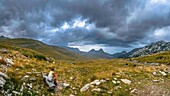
{"points": [[75, 50], [97, 54], [161, 58], [150, 49], [119, 54], [92, 53], [52, 51]]}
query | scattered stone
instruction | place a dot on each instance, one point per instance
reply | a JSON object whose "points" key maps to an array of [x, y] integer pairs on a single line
{"points": [[85, 88], [15, 92], [17, 69], [2, 82], [2, 79], [117, 87], [73, 88], [96, 89], [109, 92], [29, 85], [102, 81], [154, 73], [126, 81], [155, 81], [95, 82], [66, 85], [133, 91], [115, 78], [9, 61], [33, 70], [4, 75], [28, 73], [38, 73], [118, 82], [71, 78], [107, 79], [32, 79], [25, 77], [37, 91], [163, 73], [114, 81]]}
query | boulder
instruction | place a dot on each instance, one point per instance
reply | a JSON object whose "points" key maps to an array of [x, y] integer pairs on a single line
{"points": [[85, 88], [126, 81]]}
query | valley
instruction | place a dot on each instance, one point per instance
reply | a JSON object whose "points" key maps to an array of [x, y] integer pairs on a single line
{"points": [[141, 76]]}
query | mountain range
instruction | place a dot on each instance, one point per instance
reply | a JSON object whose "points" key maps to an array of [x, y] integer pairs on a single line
{"points": [[58, 52], [152, 48]]}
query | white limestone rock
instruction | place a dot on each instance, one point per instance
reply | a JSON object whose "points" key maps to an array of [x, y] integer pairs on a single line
{"points": [[126, 81], [85, 88]]}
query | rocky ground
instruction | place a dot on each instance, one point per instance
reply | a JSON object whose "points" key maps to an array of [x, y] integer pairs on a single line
{"points": [[21, 75]]}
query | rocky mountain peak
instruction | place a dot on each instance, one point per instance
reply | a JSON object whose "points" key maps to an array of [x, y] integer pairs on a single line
{"points": [[92, 50], [101, 50]]}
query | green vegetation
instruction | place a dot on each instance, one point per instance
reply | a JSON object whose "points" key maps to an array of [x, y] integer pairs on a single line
{"points": [[162, 58], [28, 63], [50, 51]]}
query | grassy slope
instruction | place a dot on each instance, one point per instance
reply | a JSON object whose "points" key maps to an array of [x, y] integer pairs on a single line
{"points": [[54, 52], [85, 72], [163, 58]]}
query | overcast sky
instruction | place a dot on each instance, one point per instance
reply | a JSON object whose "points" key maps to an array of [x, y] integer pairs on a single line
{"points": [[114, 25]]}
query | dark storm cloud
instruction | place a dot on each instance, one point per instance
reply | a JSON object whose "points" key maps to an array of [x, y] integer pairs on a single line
{"points": [[116, 22]]}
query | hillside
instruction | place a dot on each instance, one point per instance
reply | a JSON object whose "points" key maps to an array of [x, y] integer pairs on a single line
{"points": [[117, 77], [97, 54], [152, 48], [51, 51], [161, 58]]}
